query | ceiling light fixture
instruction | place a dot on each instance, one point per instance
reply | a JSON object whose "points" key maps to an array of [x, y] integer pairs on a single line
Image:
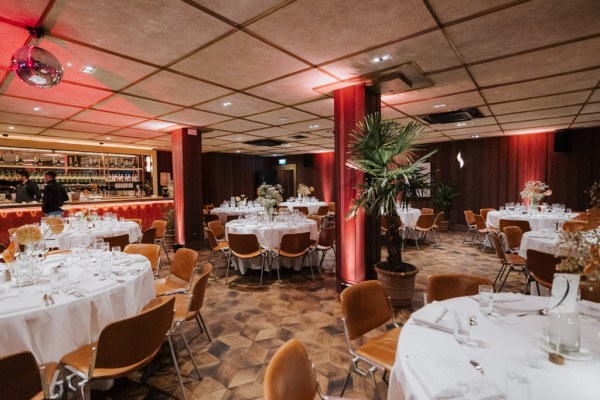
{"points": [[107, 138], [69, 64], [283, 118], [475, 136], [238, 151], [379, 59], [35, 66], [461, 124], [313, 126], [88, 69], [11, 127], [238, 138], [37, 108], [227, 104], [439, 105]]}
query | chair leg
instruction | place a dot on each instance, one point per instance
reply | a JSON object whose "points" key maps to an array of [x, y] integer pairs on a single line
{"points": [[201, 321], [345, 383], [510, 269], [499, 275], [176, 365], [278, 268], [210, 256], [84, 390], [189, 351], [375, 383], [262, 269], [231, 259], [165, 249]]}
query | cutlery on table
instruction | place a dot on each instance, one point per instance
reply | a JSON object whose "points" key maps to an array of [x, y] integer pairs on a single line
{"points": [[477, 366], [542, 311]]}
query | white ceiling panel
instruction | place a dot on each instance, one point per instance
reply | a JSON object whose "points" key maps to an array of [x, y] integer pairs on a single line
{"points": [[64, 93], [68, 134], [588, 118], [323, 108], [6, 129], [243, 11], [294, 89], [541, 114], [591, 108], [194, 117], [540, 103], [452, 10], [108, 118], [135, 106], [26, 120], [281, 116], [85, 127], [13, 38], [312, 125], [36, 107], [238, 125], [136, 133], [442, 104], [538, 123], [238, 105]]}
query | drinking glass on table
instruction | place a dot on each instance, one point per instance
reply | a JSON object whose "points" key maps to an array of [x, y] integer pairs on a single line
{"points": [[462, 325], [486, 301]]}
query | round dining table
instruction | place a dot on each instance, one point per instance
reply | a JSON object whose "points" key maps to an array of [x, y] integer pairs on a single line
{"points": [[430, 362], [409, 216], [313, 206], [74, 235], [545, 241], [537, 221], [73, 316], [224, 212]]}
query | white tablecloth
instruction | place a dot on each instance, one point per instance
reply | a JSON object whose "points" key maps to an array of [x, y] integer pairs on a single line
{"points": [[409, 217], [313, 206], [545, 241], [269, 235], [502, 337], [51, 332], [223, 212], [73, 237], [536, 221]]}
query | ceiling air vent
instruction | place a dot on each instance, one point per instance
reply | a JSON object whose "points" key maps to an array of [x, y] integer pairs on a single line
{"points": [[298, 137], [466, 114], [265, 142]]}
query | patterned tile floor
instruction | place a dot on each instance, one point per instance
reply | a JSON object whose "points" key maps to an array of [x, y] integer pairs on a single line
{"points": [[248, 325]]}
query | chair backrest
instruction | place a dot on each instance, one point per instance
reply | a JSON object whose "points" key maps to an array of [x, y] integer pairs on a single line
{"points": [[290, 374], [332, 206], [318, 219], [282, 209], [56, 252], [365, 306], [210, 217], [447, 286], [323, 210], [426, 211], [542, 266], [232, 217], [136, 220], [184, 263], [524, 225], [122, 241], [513, 235], [469, 217], [425, 221], [385, 222], [122, 347], [480, 222], [208, 206], [439, 217], [161, 228], [149, 236], [241, 244], [217, 228], [198, 289], [212, 240], [295, 243], [302, 209], [484, 212], [498, 246], [150, 251], [327, 237], [20, 376]]}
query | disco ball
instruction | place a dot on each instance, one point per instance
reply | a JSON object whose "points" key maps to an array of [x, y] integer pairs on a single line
{"points": [[36, 67]]}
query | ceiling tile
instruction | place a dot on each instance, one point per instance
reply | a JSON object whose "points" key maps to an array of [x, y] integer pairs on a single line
{"points": [[26, 120], [436, 139], [479, 122], [154, 125], [470, 130], [482, 135], [591, 108], [317, 141], [63, 93], [212, 142], [136, 133], [24, 106], [157, 32], [525, 26], [586, 124], [174, 88], [538, 123], [456, 9], [430, 52], [238, 125], [540, 103], [526, 116], [320, 24], [116, 139], [588, 118], [595, 96], [323, 107], [151, 142], [108, 118], [237, 138], [294, 89], [271, 132], [194, 117], [312, 125], [458, 101], [85, 127], [543, 87], [243, 11], [299, 142], [214, 134], [19, 129], [555, 60], [13, 38], [239, 61], [27, 12], [135, 106], [68, 134], [281, 116], [539, 129], [390, 113], [239, 105]]}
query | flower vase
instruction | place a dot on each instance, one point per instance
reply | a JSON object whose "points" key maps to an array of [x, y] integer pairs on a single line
{"points": [[533, 204], [269, 216], [24, 267]]}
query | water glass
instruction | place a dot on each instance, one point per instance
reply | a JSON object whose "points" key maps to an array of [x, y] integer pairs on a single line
{"points": [[116, 250], [486, 301], [517, 379], [462, 326], [56, 277], [564, 333]]}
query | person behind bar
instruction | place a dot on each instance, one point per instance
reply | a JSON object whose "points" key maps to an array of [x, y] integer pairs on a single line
{"points": [[27, 191], [55, 195]]}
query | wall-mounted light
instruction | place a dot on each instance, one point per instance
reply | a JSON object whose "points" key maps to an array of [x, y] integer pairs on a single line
{"points": [[460, 160], [148, 164]]}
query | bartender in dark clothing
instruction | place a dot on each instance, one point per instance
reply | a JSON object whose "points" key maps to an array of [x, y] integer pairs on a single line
{"points": [[27, 191], [55, 195]]}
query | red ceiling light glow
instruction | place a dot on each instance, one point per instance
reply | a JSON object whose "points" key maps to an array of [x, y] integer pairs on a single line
{"points": [[36, 66]]}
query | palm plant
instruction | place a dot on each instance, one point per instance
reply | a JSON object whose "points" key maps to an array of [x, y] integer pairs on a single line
{"points": [[384, 150]]}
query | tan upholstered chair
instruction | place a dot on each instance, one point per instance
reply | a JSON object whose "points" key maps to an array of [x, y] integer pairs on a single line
{"points": [[366, 307], [282, 210], [121, 348], [209, 218], [424, 225], [523, 224], [232, 217], [137, 221], [22, 378], [302, 209], [326, 242], [436, 225], [471, 227], [513, 236], [57, 252], [293, 245], [541, 268], [447, 286], [220, 247], [218, 229], [508, 262], [246, 247], [426, 211], [482, 229], [323, 210], [484, 212], [180, 275], [150, 251], [318, 219], [117, 241], [149, 236], [161, 230], [208, 207]]}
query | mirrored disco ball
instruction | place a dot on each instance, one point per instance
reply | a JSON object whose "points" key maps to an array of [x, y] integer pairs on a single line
{"points": [[36, 67]]}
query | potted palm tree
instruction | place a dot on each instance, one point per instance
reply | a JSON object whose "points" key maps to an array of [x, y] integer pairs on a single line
{"points": [[442, 196], [385, 151]]}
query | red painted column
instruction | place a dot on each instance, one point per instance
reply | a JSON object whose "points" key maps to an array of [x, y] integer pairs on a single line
{"points": [[187, 186], [358, 244]]}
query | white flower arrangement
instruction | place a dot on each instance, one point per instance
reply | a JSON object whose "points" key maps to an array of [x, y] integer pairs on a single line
{"points": [[305, 191], [269, 195], [241, 199], [535, 190]]}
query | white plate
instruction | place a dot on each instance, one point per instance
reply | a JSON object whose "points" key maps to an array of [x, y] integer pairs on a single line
{"points": [[583, 355]]}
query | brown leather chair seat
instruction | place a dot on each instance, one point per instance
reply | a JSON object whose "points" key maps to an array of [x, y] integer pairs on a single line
{"points": [[379, 348]]}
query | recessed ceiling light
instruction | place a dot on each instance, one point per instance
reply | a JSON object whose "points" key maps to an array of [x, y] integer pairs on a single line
{"points": [[386, 57], [107, 138], [227, 104], [11, 127], [274, 154], [439, 105], [287, 145], [379, 59], [313, 126], [283, 118], [475, 136], [69, 64], [37, 108], [88, 69], [238, 138], [238, 151], [461, 124]]}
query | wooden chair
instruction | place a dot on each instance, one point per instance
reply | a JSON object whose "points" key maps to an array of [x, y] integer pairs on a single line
{"points": [[318, 219], [366, 306], [426, 211], [123, 347], [22, 378], [513, 236], [508, 262], [541, 268], [216, 246], [180, 275], [282, 210], [208, 207], [471, 227], [161, 230], [322, 211], [137, 221], [246, 247], [302, 209], [447, 286], [325, 243], [436, 225], [57, 252], [424, 224], [150, 251], [209, 218], [484, 212], [482, 229], [232, 217], [293, 245], [523, 224], [149, 236], [117, 241], [218, 229]]}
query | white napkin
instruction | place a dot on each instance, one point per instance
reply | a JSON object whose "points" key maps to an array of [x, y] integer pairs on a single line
{"points": [[436, 383], [526, 304], [433, 315], [94, 286], [20, 303]]}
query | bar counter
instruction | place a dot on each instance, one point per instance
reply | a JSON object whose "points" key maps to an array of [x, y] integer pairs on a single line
{"points": [[148, 209]]}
